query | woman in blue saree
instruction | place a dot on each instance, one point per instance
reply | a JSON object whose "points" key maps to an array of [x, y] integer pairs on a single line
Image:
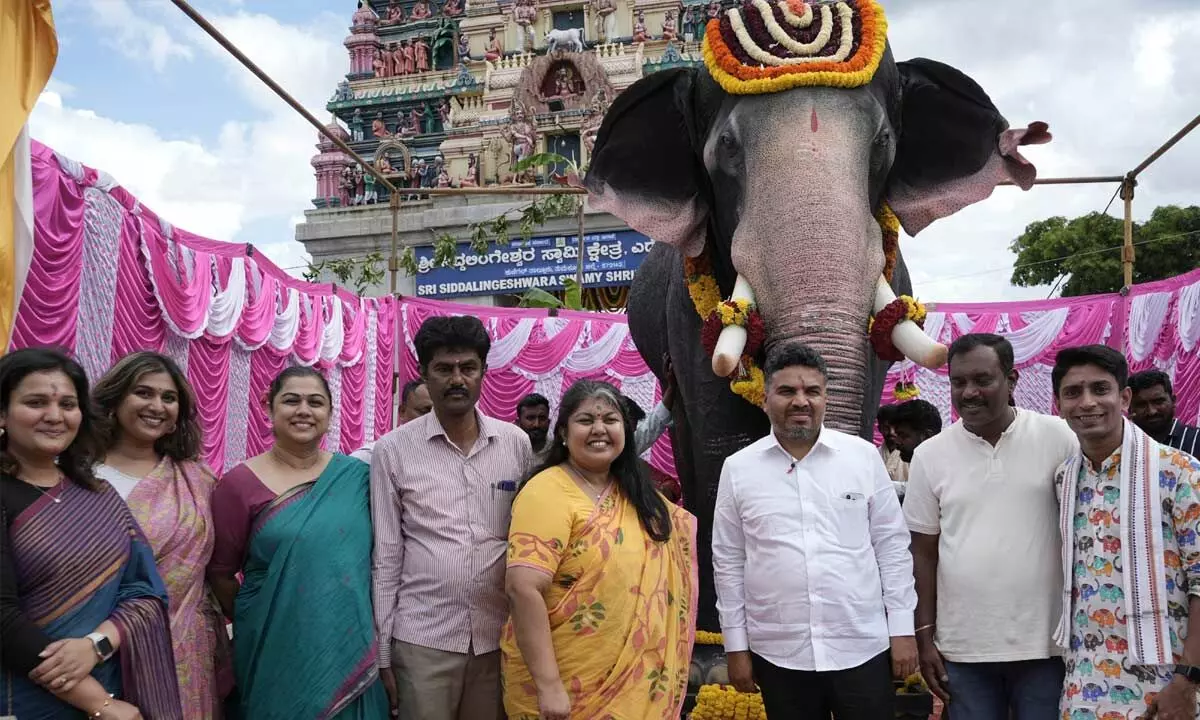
{"points": [[296, 523], [83, 611]]}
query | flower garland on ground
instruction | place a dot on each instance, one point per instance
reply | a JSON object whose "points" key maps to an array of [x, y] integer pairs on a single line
{"points": [[717, 314]]}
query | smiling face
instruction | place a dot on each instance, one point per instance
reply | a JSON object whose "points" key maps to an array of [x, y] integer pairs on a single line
{"points": [[454, 377], [42, 417], [796, 403], [300, 411], [595, 434], [979, 388], [1093, 404], [150, 410]]}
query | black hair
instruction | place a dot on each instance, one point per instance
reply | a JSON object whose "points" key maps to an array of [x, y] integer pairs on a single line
{"points": [[1102, 356], [637, 487], [790, 355], [444, 332], [885, 415], [295, 371], [636, 413], [970, 341], [182, 443], [1147, 379], [532, 400], [409, 388], [77, 460], [920, 415]]}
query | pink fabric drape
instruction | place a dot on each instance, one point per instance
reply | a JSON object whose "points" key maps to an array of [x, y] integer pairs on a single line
{"points": [[110, 277]]}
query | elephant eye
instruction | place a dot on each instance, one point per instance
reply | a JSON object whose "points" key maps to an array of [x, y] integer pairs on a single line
{"points": [[728, 151]]}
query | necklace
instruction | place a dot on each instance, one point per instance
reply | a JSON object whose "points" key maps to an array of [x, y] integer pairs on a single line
{"points": [[596, 492], [46, 491]]}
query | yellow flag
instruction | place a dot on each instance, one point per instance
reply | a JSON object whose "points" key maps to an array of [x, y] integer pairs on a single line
{"points": [[28, 49]]}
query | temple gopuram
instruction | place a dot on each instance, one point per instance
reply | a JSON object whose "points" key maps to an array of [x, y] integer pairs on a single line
{"points": [[455, 93]]}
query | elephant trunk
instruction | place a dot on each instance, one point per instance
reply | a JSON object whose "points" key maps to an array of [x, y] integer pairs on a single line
{"points": [[814, 278]]}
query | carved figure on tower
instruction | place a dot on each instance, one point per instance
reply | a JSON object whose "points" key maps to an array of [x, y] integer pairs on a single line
{"points": [[606, 19], [420, 11], [378, 127], [429, 116], [359, 186], [464, 48], [410, 57], [690, 21], [452, 8], [714, 9], [414, 120], [524, 15], [421, 50], [443, 176], [346, 187], [471, 179], [668, 26], [397, 59], [395, 14], [495, 49], [639, 27], [382, 67], [522, 133], [356, 125], [443, 112]]}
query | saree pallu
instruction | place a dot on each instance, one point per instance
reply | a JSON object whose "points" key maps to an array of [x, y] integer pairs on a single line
{"points": [[173, 505], [622, 607], [304, 633], [79, 562]]}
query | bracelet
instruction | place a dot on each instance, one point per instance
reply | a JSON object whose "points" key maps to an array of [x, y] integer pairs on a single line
{"points": [[98, 713], [925, 627]]}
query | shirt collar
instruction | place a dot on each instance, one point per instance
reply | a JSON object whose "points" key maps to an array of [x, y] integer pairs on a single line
{"points": [[433, 426], [823, 440]]}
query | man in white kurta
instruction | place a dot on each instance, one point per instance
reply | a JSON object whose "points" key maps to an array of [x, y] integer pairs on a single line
{"points": [[810, 557]]}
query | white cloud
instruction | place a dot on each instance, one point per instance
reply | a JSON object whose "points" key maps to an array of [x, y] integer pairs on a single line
{"points": [[135, 36], [1112, 94]]}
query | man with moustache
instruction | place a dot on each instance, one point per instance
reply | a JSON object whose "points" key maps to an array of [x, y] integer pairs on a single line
{"points": [[414, 402], [1152, 408], [810, 559], [981, 507], [533, 416], [1131, 558], [442, 488]]}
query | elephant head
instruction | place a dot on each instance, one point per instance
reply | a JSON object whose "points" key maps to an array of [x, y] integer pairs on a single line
{"points": [[777, 157]]}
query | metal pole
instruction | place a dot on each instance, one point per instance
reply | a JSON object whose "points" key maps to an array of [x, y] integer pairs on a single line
{"points": [[1072, 180], [579, 269], [394, 260], [1127, 251], [224, 42], [1166, 146]]}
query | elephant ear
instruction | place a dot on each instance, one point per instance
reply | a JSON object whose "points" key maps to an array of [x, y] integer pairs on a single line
{"points": [[954, 145], [645, 167]]}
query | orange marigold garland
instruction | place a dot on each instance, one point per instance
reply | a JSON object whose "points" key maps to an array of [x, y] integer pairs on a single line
{"points": [[889, 224]]}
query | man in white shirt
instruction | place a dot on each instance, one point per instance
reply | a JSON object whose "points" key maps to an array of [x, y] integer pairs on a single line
{"points": [[984, 518], [810, 559]]}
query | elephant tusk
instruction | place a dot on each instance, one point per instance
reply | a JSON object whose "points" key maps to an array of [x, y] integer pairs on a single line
{"points": [[732, 341], [907, 336]]}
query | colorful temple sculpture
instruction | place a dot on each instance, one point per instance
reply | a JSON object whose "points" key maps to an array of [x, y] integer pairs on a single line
{"points": [[455, 93]]}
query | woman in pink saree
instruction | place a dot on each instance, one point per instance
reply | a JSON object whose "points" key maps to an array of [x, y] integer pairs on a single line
{"points": [[150, 442]]}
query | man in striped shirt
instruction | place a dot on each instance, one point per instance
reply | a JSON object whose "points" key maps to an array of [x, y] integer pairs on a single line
{"points": [[1153, 410], [442, 488]]}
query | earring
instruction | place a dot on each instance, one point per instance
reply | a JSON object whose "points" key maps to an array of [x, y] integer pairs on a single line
{"points": [[172, 429]]}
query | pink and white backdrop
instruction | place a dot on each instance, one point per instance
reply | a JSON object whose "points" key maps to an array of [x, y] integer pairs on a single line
{"points": [[110, 277]]}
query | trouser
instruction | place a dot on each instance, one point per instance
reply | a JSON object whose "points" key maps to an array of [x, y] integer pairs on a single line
{"points": [[1020, 690], [439, 685], [860, 693]]}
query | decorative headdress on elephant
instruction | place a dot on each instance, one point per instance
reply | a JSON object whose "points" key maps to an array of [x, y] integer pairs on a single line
{"points": [[782, 171]]}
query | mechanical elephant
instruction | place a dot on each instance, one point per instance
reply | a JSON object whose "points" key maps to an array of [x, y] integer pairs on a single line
{"points": [[776, 163]]}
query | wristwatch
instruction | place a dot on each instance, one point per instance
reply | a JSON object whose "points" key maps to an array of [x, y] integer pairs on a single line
{"points": [[103, 646], [1191, 673]]}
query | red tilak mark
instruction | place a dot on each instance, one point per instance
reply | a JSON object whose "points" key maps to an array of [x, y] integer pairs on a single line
{"points": [[814, 123]]}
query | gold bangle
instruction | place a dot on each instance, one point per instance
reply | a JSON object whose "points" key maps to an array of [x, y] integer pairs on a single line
{"points": [[930, 626], [98, 713]]}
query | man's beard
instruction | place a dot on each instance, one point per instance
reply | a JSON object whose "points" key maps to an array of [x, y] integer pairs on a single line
{"points": [[802, 434]]}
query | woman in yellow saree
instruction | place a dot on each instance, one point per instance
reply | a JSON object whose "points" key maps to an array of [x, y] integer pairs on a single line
{"points": [[601, 578]]}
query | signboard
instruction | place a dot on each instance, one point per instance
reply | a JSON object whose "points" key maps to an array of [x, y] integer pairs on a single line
{"points": [[609, 259]]}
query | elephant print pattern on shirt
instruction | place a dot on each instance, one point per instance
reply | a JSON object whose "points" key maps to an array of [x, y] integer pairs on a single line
{"points": [[1101, 683]]}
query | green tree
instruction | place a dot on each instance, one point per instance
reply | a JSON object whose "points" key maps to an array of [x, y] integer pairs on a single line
{"points": [[1087, 250], [357, 274]]}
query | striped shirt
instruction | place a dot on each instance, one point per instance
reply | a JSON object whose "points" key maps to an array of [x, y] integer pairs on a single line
{"points": [[441, 534], [1184, 437]]}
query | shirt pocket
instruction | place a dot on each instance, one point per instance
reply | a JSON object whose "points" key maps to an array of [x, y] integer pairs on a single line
{"points": [[499, 508], [851, 519]]}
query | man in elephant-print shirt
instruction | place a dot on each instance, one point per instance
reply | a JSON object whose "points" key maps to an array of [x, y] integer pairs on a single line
{"points": [[1107, 671]]}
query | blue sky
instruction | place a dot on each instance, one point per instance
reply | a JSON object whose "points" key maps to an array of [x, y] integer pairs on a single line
{"points": [[143, 94]]}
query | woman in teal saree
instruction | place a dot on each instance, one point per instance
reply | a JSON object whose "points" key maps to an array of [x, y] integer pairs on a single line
{"points": [[295, 522]]}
